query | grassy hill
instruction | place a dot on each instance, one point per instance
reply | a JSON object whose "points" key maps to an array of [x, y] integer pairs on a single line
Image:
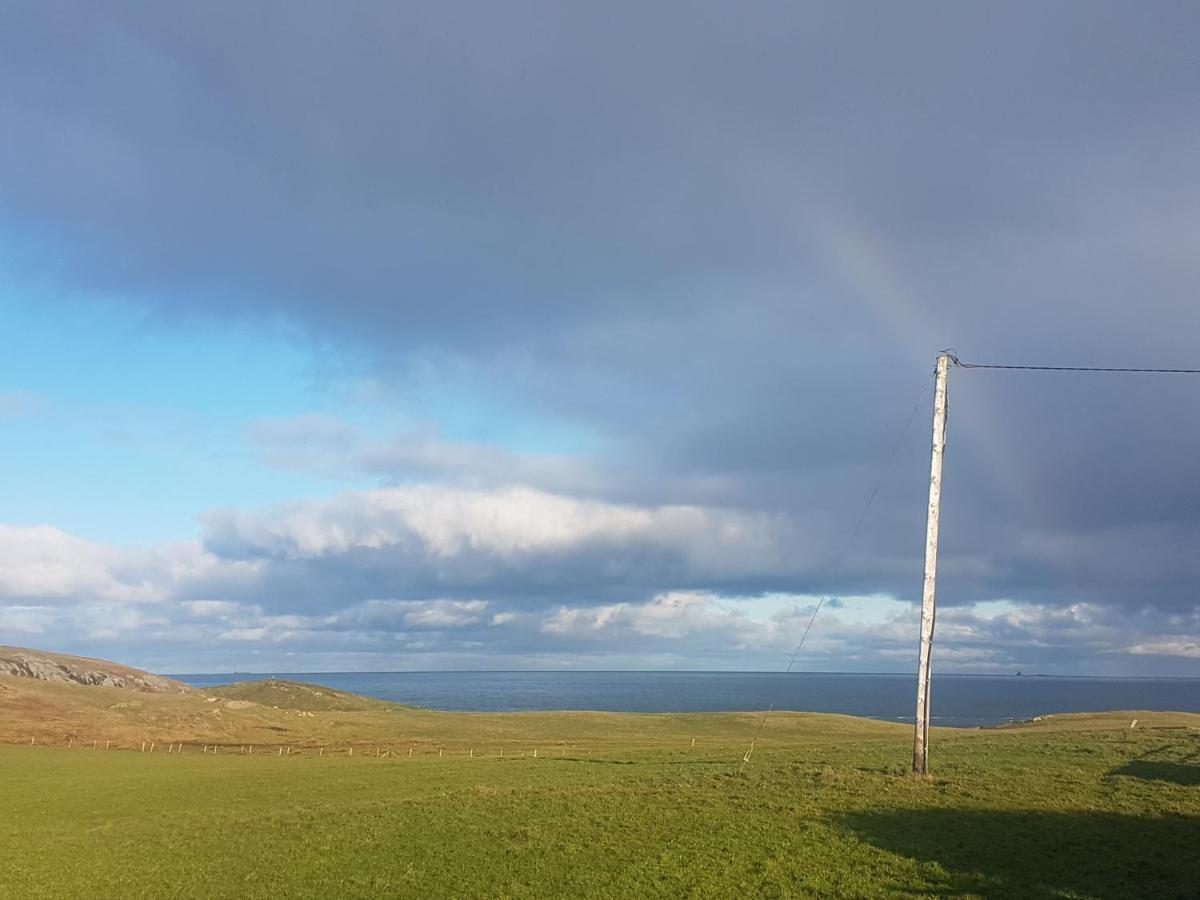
{"points": [[825, 808], [300, 716], [345, 796], [282, 694]]}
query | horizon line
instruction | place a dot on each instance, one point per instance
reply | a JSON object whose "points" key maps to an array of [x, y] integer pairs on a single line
{"points": [[274, 672]]}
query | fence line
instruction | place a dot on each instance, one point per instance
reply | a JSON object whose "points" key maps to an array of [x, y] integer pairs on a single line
{"points": [[421, 750]]}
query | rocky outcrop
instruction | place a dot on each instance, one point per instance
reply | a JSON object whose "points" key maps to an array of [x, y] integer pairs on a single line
{"points": [[43, 666]]}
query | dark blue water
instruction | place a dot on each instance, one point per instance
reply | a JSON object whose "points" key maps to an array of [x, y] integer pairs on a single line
{"points": [[961, 700]]}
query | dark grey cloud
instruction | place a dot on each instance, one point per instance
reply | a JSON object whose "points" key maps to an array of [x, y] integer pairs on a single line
{"points": [[726, 238]]}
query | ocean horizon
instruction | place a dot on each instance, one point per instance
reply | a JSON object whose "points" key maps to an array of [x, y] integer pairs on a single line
{"points": [[961, 700]]}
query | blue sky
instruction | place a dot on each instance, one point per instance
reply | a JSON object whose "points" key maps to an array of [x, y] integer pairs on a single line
{"points": [[123, 427], [403, 337], [127, 428]]}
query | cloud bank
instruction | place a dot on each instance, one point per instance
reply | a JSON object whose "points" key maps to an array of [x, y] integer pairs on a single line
{"points": [[716, 248]]}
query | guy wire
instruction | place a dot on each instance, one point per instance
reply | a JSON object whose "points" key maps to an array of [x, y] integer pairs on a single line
{"points": [[836, 569]]}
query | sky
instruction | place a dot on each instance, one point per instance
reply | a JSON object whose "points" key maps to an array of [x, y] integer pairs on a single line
{"points": [[391, 336]]}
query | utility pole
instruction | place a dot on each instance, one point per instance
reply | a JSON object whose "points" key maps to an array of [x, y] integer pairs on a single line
{"points": [[928, 596]]}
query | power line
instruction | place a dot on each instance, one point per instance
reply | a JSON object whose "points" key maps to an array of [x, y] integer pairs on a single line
{"points": [[1120, 370]]}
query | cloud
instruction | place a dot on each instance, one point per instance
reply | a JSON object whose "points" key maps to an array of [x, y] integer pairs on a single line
{"points": [[673, 615], [418, 541], [45, 563], [402, 615], [674, 628], [727, 260], [1189, 649], [331, 447], [24, 620], [244, 634]]}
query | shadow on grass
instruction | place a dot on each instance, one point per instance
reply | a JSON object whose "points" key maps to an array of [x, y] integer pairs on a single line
{"points": [[1040, 854], [1150, 770]]}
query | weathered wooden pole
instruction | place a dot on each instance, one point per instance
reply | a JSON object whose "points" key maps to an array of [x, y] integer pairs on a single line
{"points": [[929, 594]]}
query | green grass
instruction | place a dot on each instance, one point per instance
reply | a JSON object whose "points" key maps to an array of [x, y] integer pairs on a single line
{"points": [[282, 694], [1077, 809]]}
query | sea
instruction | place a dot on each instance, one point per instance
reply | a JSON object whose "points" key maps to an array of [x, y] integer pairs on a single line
{"points": [[957, 700]]}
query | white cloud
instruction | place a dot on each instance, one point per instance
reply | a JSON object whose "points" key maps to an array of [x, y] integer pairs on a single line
{"points": [[209, 608], [1185, 648], [418, 614], [446, 614], [441, 523], [673, 615], [75, 594], [331, 447], [25, 619], [244, 634], [40, 561]]}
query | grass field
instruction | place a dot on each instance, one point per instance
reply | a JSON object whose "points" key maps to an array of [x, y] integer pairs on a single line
{"points": [[618, 806]]}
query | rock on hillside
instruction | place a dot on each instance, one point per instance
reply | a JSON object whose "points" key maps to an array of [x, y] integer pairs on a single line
{"points": [[43, 666]]}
